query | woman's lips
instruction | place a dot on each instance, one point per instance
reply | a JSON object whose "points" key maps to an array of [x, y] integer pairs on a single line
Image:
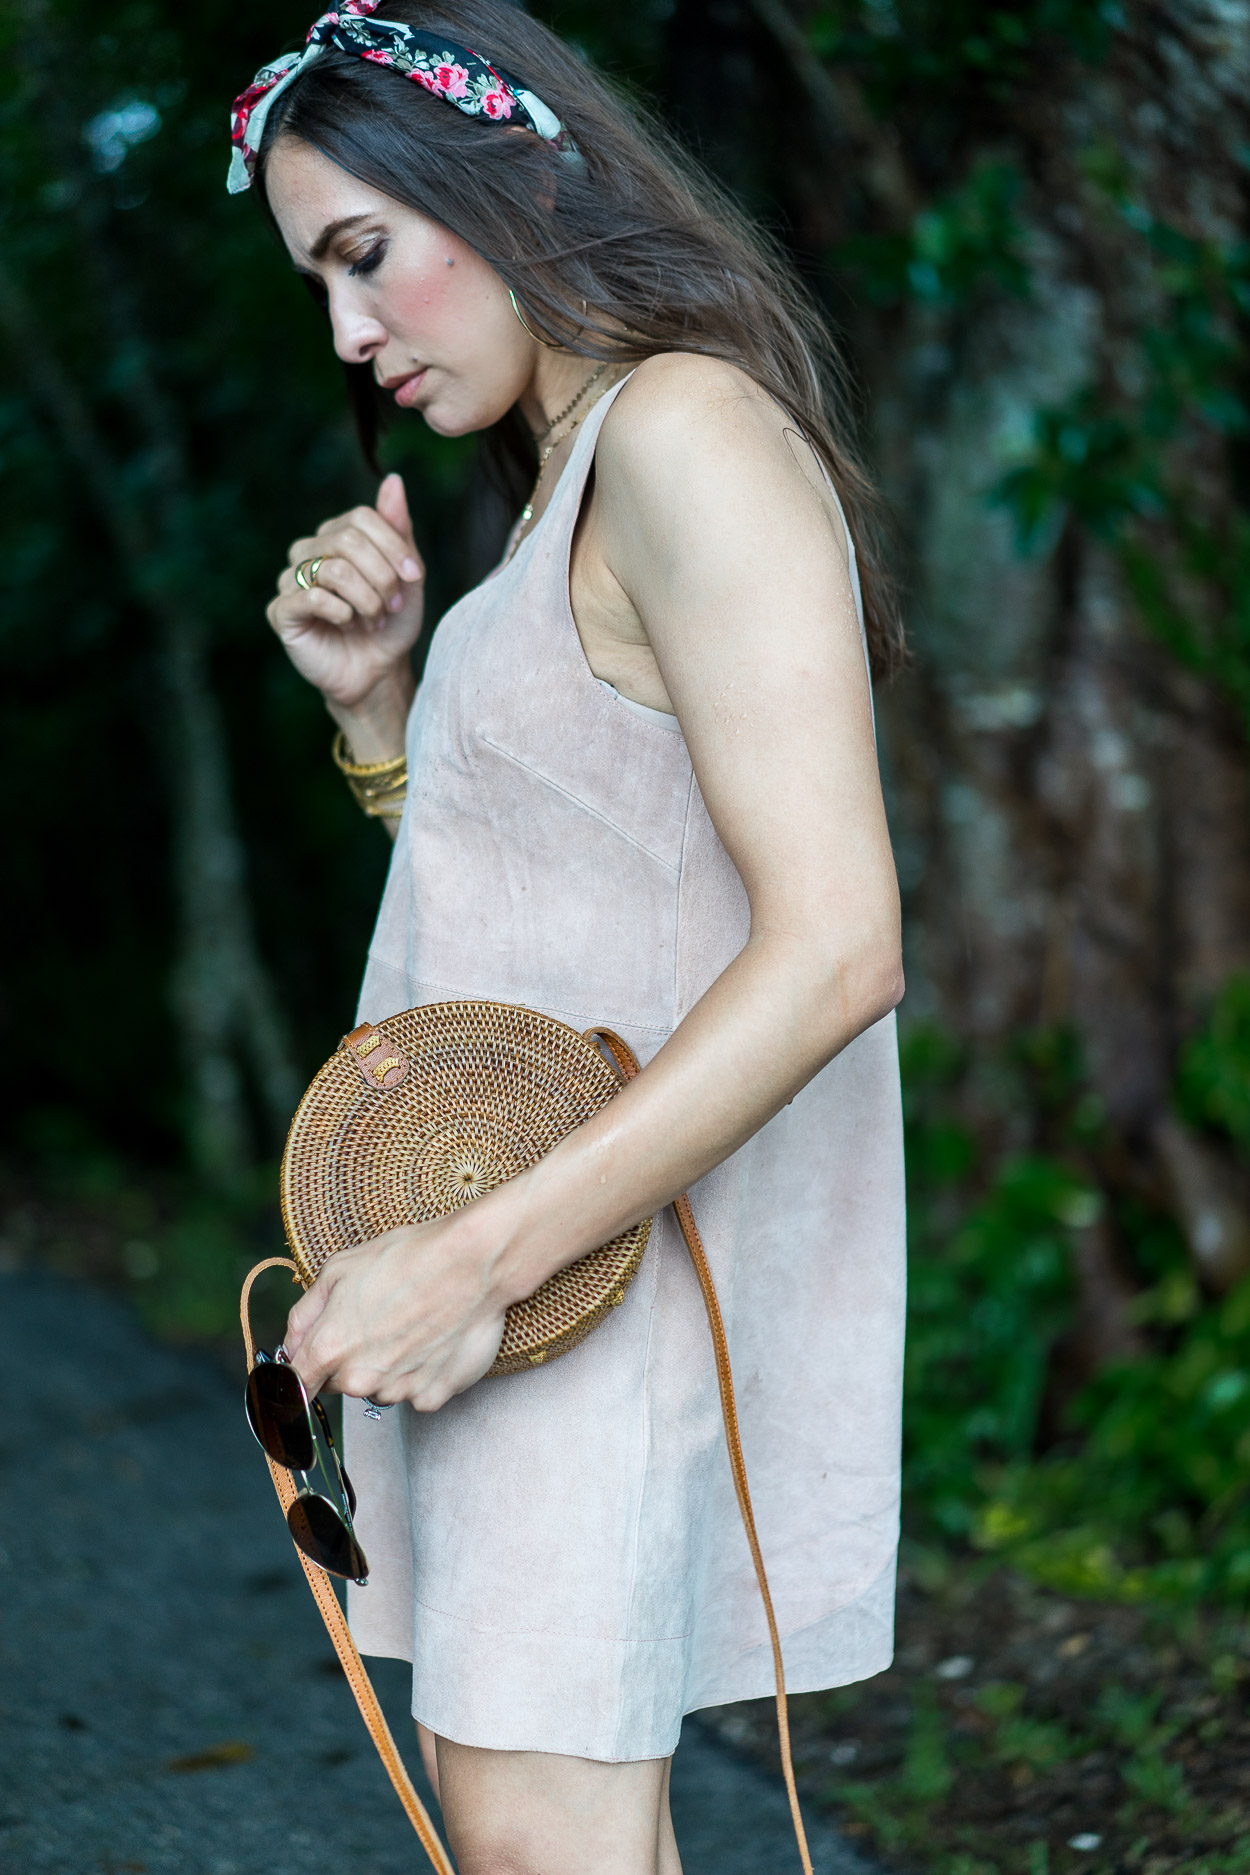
{"points": [[405, 393]]}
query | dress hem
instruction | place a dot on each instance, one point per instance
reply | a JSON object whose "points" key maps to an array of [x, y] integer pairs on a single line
{"points": [[852, 1643]]}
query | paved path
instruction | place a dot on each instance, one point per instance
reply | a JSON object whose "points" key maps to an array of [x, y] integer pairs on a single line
{"points": [[169, 1701]]}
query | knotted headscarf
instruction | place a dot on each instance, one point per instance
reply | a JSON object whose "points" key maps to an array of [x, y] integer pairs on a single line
{"points": [[451, 72]]}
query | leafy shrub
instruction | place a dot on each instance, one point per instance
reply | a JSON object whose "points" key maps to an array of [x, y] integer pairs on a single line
{"points": [[1155, 1501], [990, 1290], [1213, 1084], [1147, 1494]]}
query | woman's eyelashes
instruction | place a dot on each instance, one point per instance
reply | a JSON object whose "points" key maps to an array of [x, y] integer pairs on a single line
{"points": [[368, 263]]}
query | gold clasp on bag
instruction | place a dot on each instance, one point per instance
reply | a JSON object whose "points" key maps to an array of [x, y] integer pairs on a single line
{"points": [[365, 1046]]}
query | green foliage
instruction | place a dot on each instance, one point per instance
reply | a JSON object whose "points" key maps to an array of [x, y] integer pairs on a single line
{"points": [[188, 1270], [936, 49], [1149, 1774], [950, 1741], [1155, 1499], [1213, 1083], [1018, 1736], [1122, 462], [894, 1807], [1102, 454], [963, 243], [1147, 1493], [990, 1289]]}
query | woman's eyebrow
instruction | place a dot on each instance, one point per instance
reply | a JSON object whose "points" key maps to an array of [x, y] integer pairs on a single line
{"points": [[318, 249]]}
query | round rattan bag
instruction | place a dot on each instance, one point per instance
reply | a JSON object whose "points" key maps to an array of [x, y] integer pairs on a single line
{"points": [[413, 1117]]}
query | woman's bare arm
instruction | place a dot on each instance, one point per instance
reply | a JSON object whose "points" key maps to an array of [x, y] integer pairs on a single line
{"points": [[711, 525]]}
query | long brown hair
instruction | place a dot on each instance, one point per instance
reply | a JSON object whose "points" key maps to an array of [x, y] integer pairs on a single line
{"points": [[636, 233]]}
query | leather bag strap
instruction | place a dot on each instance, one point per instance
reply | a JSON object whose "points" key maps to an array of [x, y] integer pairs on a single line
{"points": [[336, 1625], [328, 1602], [627, 1067]]}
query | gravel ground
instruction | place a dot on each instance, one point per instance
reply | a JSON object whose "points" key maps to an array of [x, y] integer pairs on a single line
{"points": [[169, 1701]]}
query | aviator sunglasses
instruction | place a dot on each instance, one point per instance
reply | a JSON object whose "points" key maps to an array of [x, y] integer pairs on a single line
{"points": [[284, 1423]]}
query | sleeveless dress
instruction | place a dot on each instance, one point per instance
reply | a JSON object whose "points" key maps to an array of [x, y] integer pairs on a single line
{"points": [[558, 1552]]}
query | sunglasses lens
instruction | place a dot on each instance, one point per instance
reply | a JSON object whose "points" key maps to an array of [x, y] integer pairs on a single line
{"points": [[277, 1412], [324, 1538]]}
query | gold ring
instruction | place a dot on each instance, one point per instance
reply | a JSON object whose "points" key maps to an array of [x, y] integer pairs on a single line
{"points": [[306, 573]]}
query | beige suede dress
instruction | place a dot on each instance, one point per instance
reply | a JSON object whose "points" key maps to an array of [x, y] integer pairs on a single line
{"points": [[558, 1552]]}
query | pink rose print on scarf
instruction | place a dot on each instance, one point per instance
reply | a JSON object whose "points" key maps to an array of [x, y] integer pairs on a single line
{"points": [[453, 80], [497, 103], [246, 103], [451, 72]]}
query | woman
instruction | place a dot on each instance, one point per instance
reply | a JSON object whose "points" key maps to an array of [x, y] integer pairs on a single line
{"points": [[641, 791]]}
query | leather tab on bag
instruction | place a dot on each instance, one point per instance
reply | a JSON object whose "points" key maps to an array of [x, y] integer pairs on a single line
{"points": [[382, 1064]]}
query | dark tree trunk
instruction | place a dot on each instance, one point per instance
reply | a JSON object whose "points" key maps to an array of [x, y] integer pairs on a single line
{"points": [[1069, 801]]}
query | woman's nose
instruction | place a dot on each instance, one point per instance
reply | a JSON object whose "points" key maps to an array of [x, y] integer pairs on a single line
{"points": [[357, 338]]}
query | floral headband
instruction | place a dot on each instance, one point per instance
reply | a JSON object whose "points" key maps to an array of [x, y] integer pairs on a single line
{"points": [[451, 72]]}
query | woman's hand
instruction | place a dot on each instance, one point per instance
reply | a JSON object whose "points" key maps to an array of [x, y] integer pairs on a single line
{"points": [[350, 635], [412, 1315]]}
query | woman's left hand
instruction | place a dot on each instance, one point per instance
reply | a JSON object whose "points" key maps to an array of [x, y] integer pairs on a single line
{"points": [[411, 1315]]}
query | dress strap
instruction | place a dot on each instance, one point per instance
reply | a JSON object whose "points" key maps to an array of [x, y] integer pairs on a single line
{"points": [[627, 1067], [576, 473]]}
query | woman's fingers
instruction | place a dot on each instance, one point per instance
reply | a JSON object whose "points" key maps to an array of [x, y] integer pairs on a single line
{"points": [[396, 548], [294, 609], [371, 1325], [371, 596], [357, 560], [347, 559], [308, 1311], [357, 546]]}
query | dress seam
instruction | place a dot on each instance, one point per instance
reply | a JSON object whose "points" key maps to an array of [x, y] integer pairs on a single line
{"points": [[578, 801]]}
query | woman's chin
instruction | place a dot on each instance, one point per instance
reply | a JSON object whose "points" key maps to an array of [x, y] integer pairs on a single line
{"points": [[450, 419], [444, 424], [448, 423]]}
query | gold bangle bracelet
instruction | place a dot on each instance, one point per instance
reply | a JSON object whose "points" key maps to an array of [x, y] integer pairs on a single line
{"points": [[378, 787], [364, 771]]}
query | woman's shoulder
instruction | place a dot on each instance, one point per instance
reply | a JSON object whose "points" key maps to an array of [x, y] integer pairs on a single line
{"points": [[670, 392], [683, 423]]}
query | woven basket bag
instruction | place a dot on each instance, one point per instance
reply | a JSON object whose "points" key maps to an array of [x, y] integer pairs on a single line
{"points": [[408, 1120], [415, 1116]]}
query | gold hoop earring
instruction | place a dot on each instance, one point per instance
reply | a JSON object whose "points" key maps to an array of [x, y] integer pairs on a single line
{"points": [[551, 344]]}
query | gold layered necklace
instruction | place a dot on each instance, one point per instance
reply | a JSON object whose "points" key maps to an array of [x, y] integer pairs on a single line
{"points": [[548, 442]]}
